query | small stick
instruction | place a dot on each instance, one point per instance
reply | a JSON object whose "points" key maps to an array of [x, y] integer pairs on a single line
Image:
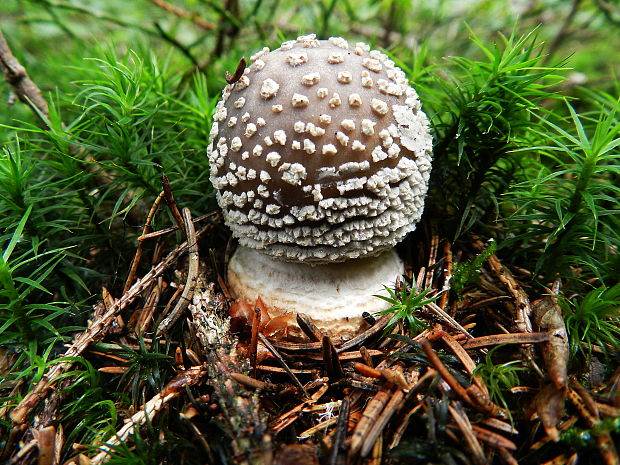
{"points": [[604, 441], [443, 371], [400, 429], [46, 443], [170, 229], [95, 332], [173, 389], [500, 425], [481, 400], [461, 420], [174, 297], [254, 383], [562, 459], [277, 355], [145, 229], [231, 79], [483, 303], [507, 457], [339, 447], [494, 440], [522, 301], [395, 377], [377, 452], [172, 204], [445, 288], [145, 316], [254, 341], [510, 338], [432, 256], [348, 345], [309, 328], [460, 352], [356, 384], [270, 369], [352, 355], [17, 77], [192, 274], [370, 332], [440, 312], [175, 10], [395, 403], [286, 418], [367, 370], [316, 428], [369, 416]]}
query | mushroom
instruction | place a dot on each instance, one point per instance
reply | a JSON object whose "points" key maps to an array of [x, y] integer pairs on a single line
{"points": [[320, 156]]}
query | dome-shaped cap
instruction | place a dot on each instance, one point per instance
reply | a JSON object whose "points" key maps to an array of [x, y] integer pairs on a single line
{"points": [[320, 152]]}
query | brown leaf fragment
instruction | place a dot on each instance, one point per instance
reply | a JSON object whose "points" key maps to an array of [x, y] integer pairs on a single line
{"points": [[369, 417], [306, 324], [547, 316], [331, 360], [46, 440], [481, 401], [254, 383], [563, 460], [471, 441], [433, 358], [377, 452], [522, 301], [113, 370], [366, 356], [94, 333], [494, 440], [297, 454], [510, 338], [499, 425], [460, 352], [549, 404], [396, 402], [396, 377], [506, 457], [604, 441]]}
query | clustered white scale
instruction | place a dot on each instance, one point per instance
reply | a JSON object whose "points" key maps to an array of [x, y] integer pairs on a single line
{"points": [[320, 152]]}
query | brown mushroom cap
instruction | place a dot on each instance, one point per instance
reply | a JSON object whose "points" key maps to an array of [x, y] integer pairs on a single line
{"points": [[320, 152]]}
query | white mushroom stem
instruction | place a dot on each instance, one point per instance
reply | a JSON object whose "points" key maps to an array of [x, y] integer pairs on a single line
{"points": [[333, 295]]}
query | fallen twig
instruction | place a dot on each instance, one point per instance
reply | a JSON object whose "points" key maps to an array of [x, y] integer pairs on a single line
{"points": [[95, 332], [277, 355], [173, 389], [395, 403], [175, 10], [522, 301], [192, 275], [146, 228], [17, 77], [443, 371], [464, 425], [338, 448], [510, 338], [371, 413]]}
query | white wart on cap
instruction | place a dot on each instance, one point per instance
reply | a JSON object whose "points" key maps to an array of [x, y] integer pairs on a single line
{"points": [[320, 152]]}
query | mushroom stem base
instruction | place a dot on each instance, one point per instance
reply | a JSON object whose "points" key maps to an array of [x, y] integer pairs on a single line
{"points": [[334, 295]]}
